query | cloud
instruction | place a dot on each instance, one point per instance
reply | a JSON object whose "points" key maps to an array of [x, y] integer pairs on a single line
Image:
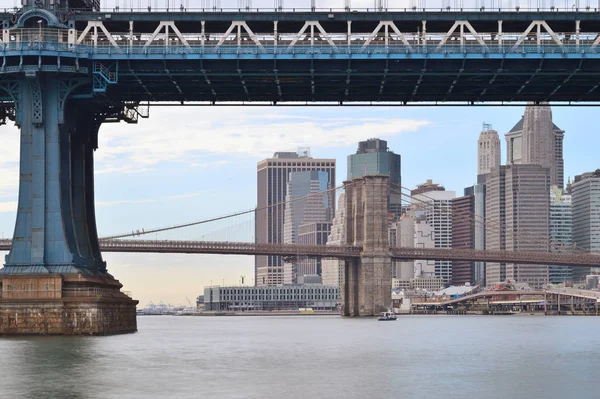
{"points": [[197, 135], [206, 137]]}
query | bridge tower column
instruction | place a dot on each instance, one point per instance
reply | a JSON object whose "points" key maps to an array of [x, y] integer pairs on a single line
{"points": [[55, 261], [367, 283], [55, 230]]}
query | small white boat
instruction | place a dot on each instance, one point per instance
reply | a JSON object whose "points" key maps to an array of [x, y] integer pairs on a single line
{"points": [[387, 316]]}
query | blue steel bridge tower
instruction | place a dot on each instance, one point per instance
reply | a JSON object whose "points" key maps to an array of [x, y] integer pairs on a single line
{"points": [[54, 279], [55, 230]]}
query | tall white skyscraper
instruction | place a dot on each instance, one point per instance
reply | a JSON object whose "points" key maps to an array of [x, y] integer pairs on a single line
{"points": [[435, 209]]}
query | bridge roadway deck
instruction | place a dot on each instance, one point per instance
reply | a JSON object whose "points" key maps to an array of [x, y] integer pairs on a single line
{"points": [[338, 251], [436, 19], [306, 57]]}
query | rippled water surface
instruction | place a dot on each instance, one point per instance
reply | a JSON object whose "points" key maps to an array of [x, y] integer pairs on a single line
{"points": [[314, 357]]}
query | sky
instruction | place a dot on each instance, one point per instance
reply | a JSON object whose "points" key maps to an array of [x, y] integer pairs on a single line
{"points": [[191, 163]]}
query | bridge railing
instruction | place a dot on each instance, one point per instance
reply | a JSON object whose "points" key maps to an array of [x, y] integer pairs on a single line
{"points": [[35, 35], [95, 39], [571, 7], [316, 50], [171, 246]]}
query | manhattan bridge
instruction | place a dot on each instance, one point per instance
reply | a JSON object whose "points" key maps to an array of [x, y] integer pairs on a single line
{"points": [[70, 66]]}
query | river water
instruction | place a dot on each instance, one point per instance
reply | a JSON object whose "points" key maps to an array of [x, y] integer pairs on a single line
{"points": [[314, 357]]}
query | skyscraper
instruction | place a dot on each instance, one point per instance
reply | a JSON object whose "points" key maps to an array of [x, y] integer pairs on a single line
{"points": [[463, 236], [332, 268], [517, 219], [536, 140], [374, 157], [495, 222], [272, 178], [424, 238], [479, 191], [426, 187], [468, 232], [585, 192], [561, 233], [488, 152], [307, 213], [435, 209], [402, 234]]}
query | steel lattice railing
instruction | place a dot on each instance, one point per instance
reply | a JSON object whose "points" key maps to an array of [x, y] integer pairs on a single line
{"points": [[229, 248], [544, 258], [341, 251]]}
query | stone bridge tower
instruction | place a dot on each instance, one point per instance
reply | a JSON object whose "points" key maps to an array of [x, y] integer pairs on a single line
{"points": [[367, 283]]}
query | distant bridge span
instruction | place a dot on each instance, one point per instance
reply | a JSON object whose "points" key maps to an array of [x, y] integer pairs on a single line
{"points": [[339, 251]]}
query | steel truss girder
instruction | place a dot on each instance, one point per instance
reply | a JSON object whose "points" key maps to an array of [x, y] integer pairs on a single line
{"points": [[462, 31]]}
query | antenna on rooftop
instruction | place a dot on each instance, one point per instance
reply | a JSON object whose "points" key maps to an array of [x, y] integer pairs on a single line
{"points": [[303, 152]]}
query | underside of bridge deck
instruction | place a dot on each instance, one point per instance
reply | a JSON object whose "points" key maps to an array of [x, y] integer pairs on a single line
{"points": [[383, 78]]}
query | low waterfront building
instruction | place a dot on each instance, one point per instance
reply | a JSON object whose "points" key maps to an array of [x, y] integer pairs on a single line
{"points": [[423, 283], [427, 283], [283, 297], [457, 291], [400, 283], [200, 302]]}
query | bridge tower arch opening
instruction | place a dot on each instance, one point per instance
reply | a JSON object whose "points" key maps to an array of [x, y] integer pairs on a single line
{"points": [[367, 284]]}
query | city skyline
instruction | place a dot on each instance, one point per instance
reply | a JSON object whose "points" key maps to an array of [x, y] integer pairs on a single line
{"points": [[166, 179]]}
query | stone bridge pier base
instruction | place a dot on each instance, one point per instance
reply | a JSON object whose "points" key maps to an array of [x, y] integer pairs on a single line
{"points": [[367, 283], [54, 279]]}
